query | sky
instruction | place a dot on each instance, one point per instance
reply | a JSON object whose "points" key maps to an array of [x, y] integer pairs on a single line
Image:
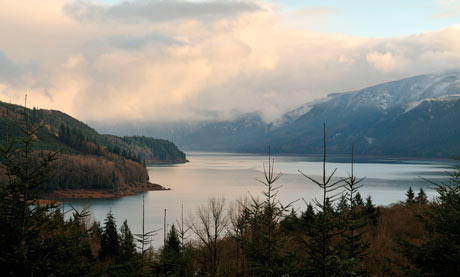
{"points": [[152, 60]]}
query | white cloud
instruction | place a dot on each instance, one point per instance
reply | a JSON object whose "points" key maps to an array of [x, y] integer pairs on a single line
{"points": [[191, 67], [450, 8], [386, 62]]}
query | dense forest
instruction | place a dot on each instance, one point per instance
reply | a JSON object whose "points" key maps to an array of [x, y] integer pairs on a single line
{"points": [[63, 133], [86, 159], [340, 234], [145, 149]]}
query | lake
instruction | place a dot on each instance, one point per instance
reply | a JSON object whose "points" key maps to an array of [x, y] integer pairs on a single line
{"points": [[233, 176]]}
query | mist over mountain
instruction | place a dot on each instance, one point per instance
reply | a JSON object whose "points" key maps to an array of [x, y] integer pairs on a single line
{"points": [[412, 117]]}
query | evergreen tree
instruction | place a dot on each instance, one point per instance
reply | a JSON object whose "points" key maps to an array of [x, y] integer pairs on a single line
{"points": [[116, 150], [171, 259], [358, 200], [110, 246], [290, 222], [324, 257], [307, 217], [264, 250], [354, 219], [421, 197], [35, 240], [410, 196], [439, 255], [127, 245], [372, 212], [172, 242], [144, 241]]}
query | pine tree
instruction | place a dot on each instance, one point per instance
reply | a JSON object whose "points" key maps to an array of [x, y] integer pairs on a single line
{"points": [[172, 242], [372, 212], [171, 261], [127, 245], [110, 239], [290, 222], [439, 255], [410, 196], [354, 221], [358, 200], [35, 240], [421, 197], [263, 251], [324, 257], [307, 217]]}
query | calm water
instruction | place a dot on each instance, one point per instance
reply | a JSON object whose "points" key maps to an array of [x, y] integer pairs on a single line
{"points": [[234, 176]]}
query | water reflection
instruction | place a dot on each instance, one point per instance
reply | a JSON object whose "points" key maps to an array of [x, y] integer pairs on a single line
{"points": [[234, 176]]}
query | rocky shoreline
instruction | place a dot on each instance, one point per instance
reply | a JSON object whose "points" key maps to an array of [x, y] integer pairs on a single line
{"points": [[126, 190]]}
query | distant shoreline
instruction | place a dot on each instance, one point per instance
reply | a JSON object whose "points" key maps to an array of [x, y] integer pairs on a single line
{"points": [[127, 190], [158, 162], [332, 157]]}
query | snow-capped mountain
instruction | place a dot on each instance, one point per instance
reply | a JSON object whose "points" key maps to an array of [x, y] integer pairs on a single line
{"points": [[413, 117], [376, 119], [403, 94]]}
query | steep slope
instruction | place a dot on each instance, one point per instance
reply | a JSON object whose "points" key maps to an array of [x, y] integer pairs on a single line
{"points": [[387, 119], [55, 124], [85, 159], [148, 150]]}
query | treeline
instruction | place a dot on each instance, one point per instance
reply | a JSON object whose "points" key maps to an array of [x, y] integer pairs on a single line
{"points": [[61, 132], [75, 139], [127, 154], [160, 149], [145, 149], [93, 172]]}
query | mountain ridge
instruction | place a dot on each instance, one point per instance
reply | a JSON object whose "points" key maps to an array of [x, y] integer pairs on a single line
{"points": [[375, 119]]}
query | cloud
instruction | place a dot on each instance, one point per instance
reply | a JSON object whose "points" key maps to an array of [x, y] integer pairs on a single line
{"points": [[9, 71], [386, 62], [135, 42], [450, 8], [159, 10], [317, 11], [187, 67]]}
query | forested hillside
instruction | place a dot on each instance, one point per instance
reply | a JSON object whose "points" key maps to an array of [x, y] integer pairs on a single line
{"points": [[86, 159], [146, 149]]}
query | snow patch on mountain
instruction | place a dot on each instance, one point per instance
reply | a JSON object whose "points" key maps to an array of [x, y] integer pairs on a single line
{"points": [[292, 116], [403, 95]]}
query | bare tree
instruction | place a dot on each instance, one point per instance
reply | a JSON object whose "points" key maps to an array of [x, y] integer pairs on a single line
{"points": [[210, 228], [239, 217], [182, 228]]}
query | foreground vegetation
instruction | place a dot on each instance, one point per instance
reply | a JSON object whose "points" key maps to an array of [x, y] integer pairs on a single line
{"points": [[338, 235]]}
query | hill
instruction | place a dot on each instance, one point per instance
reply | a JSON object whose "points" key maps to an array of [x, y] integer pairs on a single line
{"points": [[86, 159]]}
